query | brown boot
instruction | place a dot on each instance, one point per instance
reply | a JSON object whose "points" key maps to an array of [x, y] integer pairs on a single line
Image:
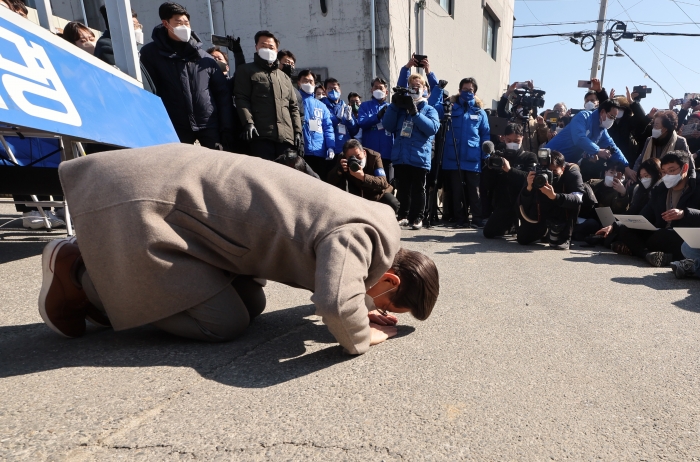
{"points": [[62, 304]]}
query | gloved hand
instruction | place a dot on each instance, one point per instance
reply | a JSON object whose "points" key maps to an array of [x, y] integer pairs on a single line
{"points": [[250, 131], [234, 44], [347, 113], [412, 109], [380, 114], [297, 140], [330, 154], [228, 140]]}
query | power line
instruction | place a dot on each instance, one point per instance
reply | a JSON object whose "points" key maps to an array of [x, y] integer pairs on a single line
{"points": [[555, 23], [669, 57], [645, 72], [582, 33], [539, 44], [679, 7], [644, 23]]}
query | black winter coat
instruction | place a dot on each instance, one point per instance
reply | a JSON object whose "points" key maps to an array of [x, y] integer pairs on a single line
{"points": [[105, 52], [566, 204], [503, 188], [689, 203], [190, 83]]}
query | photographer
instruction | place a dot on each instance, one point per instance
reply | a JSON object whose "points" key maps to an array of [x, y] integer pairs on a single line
{"points": [[360, 171], [550, 203], [535, 130], [414, 123], [506, 180], [587, 136], [628, 130], [610, 192]]}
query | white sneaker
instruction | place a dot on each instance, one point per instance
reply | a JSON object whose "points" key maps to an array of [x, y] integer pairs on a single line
{"points": [[403, 222], [418, 224], [34, 220]]}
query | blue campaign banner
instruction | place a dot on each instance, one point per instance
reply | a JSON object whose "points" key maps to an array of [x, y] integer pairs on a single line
{"points": [[49, 84]]}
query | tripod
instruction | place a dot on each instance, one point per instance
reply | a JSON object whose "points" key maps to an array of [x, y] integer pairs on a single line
{"points": [[440, 139]]}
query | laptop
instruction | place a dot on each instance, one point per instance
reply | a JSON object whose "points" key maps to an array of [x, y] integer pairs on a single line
{"points": [[636, 222], [691, 236], [605, 216]]}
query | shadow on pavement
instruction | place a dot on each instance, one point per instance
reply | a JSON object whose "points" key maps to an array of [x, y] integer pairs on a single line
{"points": [[667, 281], [12, 251], [271, 351]]}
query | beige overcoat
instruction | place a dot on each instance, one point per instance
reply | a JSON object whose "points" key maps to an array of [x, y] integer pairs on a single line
{"points": [[164, 228]]}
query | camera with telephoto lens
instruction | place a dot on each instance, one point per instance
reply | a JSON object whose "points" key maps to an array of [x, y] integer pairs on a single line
{"points": [[495, 161], [529, 100], [543, 175], [354, 164], [642, 91], [401, 91], [694, 102]]}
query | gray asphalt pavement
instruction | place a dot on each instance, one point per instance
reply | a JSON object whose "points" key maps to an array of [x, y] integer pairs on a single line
{"points": [[530, 354]]}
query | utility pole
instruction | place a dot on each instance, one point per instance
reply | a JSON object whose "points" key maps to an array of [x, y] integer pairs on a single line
{"points": [[599, 38]]}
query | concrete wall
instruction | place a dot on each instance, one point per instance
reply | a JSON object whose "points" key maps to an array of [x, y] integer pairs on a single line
{"points": [[340, 41]]}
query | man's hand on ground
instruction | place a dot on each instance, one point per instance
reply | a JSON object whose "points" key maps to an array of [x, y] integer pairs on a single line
{"points": [[380, 333], [377, 318], [604, 231]]}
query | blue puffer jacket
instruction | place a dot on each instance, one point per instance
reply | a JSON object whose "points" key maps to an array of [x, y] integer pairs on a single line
{"points": [[471, 129], [373, 137], [337, 119], [415, 150], [317, 143], [584, 135], [45, 152]]}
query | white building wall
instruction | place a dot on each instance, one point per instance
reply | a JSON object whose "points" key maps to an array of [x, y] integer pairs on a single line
{"points": [[338, 43]]}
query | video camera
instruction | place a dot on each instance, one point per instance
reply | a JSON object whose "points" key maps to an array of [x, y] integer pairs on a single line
{"points": [[543, 175], [529, 100], [642, 91], [552, 121]]}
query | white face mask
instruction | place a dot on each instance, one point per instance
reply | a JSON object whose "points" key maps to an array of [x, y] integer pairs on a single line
{"points": [[363, 162], [182, 33], [379, 94], [416, 96], [88, 46], [655, 132], [609, 181], [268, 55], [513, 146], [138, 36], [589, 106], [369, 301], [671, 180], [308, 88], [646, 182], [558, 129], [607, 123]]}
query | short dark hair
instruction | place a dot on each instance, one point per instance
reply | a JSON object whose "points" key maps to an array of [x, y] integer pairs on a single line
{"points": [[679, 157], [589, 93], [617, 166], [514, 129], [266, 33], [330, 80], [557, 158], [669, 119], [285, 53], [471, 80], [19, 7], [420, 283], [72, 30], [653, 167], [608, 104], [306, 72], [352, 144], [169, 9], [134, 15], [213, 49], [380, 80], [352, 94]]}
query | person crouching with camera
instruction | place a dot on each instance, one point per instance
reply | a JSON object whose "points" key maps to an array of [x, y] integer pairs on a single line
{"points": [[414, 123], [360, 171], [504, 177], [550, 202]]}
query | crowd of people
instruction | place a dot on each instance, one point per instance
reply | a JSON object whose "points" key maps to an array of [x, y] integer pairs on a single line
{"points": [[542, 179]]}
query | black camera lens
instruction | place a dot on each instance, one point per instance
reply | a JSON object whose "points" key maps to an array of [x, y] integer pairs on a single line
{"points": [[540, 181], [354, 164]]}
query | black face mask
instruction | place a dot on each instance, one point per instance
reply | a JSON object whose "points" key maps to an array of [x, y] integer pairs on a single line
{"points": [[288, 69]]}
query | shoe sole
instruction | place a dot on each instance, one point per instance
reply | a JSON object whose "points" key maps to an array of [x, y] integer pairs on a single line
{"points": [[678, 271], [48, 261]]}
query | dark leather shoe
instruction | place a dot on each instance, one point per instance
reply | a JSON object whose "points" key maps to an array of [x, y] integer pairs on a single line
{"points": [[62, 305]]}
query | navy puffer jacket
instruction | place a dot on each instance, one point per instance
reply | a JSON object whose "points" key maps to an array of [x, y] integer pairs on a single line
{"points": [[190, 83]]}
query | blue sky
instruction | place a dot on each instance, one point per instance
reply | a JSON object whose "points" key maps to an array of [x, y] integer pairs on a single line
{"points": [[556, 64]]}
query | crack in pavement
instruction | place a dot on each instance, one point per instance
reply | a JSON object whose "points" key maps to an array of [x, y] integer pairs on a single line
{"points": [[310, 444]]}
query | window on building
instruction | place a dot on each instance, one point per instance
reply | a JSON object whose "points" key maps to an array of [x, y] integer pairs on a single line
{"points": [[490, 34], [446, 4]]}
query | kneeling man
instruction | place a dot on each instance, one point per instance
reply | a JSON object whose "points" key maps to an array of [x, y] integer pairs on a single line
{"points": [[180, 237]]}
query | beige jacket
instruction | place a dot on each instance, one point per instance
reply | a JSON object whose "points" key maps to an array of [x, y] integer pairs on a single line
{"points": [[164, 228]]}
